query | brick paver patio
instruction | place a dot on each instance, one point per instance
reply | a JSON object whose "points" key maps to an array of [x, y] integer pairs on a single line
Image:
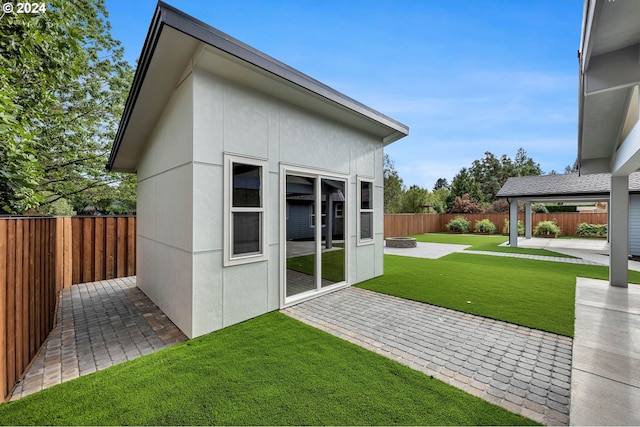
{"points": [[99, 325], [523, 370]]}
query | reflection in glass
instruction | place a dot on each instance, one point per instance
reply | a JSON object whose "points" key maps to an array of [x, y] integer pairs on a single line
{"points": [[311, 266], [246, 232], [246, 186], [333, 253], [301, 242]]}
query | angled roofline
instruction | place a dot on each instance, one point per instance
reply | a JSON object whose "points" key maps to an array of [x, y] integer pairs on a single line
{"points": [[187, 24]]}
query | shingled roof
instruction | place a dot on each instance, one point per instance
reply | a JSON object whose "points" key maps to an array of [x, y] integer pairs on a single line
{"points": [[570, 185]]}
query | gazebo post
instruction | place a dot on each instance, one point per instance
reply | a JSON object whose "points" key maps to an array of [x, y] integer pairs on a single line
{"points": [[527, 220], [513, 223]]}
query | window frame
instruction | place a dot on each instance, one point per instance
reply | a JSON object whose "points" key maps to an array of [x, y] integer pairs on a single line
{"points": [[360, 211], [312, 216], [262, 255]]}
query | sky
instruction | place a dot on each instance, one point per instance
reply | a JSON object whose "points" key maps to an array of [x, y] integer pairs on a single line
{"points": [[466, 76]]}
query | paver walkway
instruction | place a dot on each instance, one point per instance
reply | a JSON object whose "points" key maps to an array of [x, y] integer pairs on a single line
{"points": [[99, 325], [523, 370]]}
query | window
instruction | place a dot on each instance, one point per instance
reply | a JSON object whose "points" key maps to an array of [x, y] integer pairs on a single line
{"points": [[339, 210], [245, 198], [312, 214], [365, 208]]}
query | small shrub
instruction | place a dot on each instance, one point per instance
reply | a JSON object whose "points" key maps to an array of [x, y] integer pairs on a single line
{"points": [[586, 229], [505, 229], [547, 228], [485, 226], [459, 225]]}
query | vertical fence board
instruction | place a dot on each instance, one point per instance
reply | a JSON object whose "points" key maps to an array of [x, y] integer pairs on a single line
{"points": [[131, 246], [87, 250], [121, 241], [18, 296], [59, 254], [26, 293], [76, 231], [99, 249], [32, 287], [24, 309], [46, 307], [67, 253], [4, 386], [36, 281], [110, 251], [11, 302]]}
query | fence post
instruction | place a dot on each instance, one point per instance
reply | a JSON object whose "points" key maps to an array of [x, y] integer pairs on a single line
{"points": [[67, 261], [59, 254]]}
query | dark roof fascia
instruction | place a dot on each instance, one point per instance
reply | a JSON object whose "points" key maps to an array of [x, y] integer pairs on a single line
{"points": [[187, 24], [153, 35], [557, 195]]}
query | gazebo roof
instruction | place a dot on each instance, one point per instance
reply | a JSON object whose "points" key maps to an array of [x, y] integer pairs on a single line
{"points": [[566, 187]]}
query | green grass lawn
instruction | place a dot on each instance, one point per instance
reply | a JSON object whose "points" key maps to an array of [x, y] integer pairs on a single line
{"points": [[271, 370], [537, 294], [483, 243]]}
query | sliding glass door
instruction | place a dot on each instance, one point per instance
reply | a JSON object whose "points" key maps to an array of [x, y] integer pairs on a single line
{"points": [[315, 225]]}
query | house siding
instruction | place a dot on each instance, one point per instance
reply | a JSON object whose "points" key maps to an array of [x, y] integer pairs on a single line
{"points": [[164, 210], [241, 121], [181, 198]]}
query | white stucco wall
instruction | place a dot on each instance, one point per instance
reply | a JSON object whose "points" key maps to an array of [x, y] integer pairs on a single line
{"points": [[165, 210], [240, 121], [181, 198]]}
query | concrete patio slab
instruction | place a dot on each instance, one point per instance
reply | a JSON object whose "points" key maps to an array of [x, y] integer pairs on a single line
{"points": [[426, 250], [605, 386], [593, 250]]}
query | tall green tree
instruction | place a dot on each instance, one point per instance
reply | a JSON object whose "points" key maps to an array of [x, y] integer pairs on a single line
{"points": [[491, 172], [393, 187], [525, 165], [464, 183], [414, 199], [441, 183], [63, 85]]}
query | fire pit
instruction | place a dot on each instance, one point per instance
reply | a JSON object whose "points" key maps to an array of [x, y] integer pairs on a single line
{"points": [[401, 242]]}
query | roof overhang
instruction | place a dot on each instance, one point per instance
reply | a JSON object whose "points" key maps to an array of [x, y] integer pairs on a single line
{"points": [[609, 59], [177, 42], [568, 187]]}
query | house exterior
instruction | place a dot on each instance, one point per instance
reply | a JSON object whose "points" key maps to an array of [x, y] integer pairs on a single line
{"points": [[237, 156], [572, 188], [608, 112]]}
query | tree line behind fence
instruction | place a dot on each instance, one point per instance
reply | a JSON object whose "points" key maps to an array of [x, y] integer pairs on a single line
{"points": [[38, 258]]}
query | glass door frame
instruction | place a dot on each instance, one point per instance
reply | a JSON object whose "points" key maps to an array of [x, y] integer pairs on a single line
{"points": [[317, 175]]}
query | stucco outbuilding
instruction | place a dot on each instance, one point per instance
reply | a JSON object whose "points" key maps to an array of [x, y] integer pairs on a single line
{"points": [[258, 186]]}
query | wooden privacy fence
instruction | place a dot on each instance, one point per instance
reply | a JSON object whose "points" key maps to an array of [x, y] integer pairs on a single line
{"points": [[38, 258], [397, 225]]}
